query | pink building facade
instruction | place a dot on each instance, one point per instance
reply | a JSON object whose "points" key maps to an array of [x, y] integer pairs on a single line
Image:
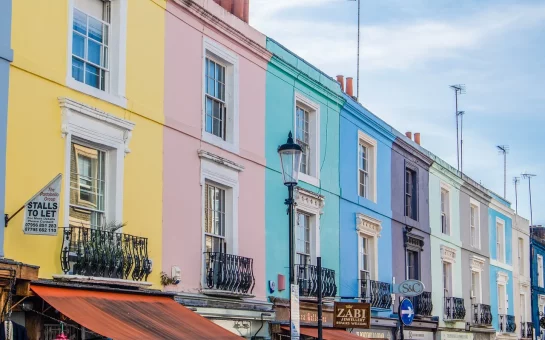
{"points": [[214, 164]]}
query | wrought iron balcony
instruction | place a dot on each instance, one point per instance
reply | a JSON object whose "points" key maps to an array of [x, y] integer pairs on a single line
{"points": [[101, 253], [378, 294], [454, 309], [307, 279], [422, 303], [526, 330], [507, 323], [229, 273], [481, 314]]}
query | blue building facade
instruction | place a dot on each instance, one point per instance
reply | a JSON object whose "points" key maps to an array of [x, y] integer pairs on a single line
{"points": [[6, 57], [365, 208], [502, 297], [537, 256]]}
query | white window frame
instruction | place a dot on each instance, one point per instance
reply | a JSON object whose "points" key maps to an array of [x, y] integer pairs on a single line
{"points": [[311, 204], [446, 292], [503, 258], [369, 228], [523, 307], [540, 278], [502, 278], [448, 255], [314, 136], [477, 206], [229, 59], [477, 296], [371, 144], [477, 265], [520, 255], [117, 56], [448, 213], [84, 124]]}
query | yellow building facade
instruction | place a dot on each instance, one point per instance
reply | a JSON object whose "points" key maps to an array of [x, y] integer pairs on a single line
{"points": [[86, 101]]}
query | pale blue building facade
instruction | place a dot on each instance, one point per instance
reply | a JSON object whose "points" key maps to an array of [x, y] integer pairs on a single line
{"points": [[6, 57]]}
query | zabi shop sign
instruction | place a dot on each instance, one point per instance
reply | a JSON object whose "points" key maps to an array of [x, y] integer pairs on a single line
{"points": [[352, 315]]}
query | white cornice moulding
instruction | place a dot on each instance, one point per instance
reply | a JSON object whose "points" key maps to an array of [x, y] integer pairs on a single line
{"points": [[368, 225], [505, 266], [502, 278], [309, 201], [448, 254], [220, 160]]}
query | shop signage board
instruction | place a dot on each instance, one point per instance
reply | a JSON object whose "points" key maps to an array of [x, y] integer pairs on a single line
{"points": [[385, 334], [351, 315], [42, 210], [456, 336], [406, 312], [417, 335], [295, 323], [409, 288]]}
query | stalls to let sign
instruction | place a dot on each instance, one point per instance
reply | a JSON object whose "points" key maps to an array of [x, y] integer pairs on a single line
{"points": [[352, 315], [295, 320], [42, 210]]}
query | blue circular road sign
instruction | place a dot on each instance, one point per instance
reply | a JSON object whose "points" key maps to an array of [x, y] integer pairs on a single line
{"points": [[406, 312]]}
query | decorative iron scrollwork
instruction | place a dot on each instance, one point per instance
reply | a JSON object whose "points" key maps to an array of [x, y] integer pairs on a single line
{"points": [[378, 294], [482, 314], [101, 253], [507, 323], [454, 308], [307, 279], [422, 303], [230, 273]]}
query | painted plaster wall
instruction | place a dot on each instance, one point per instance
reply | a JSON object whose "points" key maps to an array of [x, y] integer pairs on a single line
{"points": [[182, 195], [6, 56], [521, 277], [495, 216], [355, 118], [466, 284], [537, 248], [37, 80], [465, 216], [287, 74], [438, 239], [403, 154]]}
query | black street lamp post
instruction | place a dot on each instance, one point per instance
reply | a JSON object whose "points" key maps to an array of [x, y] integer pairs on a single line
{"points": [[290, 159]]}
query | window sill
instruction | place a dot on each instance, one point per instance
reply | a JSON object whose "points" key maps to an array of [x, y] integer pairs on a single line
{"points": [[91, 91], [502, 265], [309, 179], [220, 143]]}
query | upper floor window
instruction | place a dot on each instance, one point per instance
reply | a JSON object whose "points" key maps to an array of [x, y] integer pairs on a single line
{"points": [[87, 186], [410, 193], [97, 48], [413, 265], [540, 279], [367, 148], [364, 261], [520, 248], [215, 105], [303, 239], [476, 286], [307, 135], [500, 241], [368, 233], [221, 96], [214, 218], [474, 225], [502, 299], [445, 211], [447, 278]]}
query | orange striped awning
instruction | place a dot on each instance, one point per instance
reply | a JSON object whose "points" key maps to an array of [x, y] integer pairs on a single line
{"points": [[129, 316]]}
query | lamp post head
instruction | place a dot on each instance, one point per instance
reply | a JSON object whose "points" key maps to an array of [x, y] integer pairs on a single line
{"points": [[290, 159]]}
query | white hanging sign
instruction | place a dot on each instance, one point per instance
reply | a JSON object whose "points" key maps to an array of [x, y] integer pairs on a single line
{"points": [[295, 320], [42, 210]]}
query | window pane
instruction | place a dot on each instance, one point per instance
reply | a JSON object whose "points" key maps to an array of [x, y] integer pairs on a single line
{"points": [[95, 29], [91, 75], [80, 22], [77, 69], [78, 45], [93, 52]]}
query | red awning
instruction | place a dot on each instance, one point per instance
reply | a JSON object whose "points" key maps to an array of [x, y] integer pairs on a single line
{"points": [[131, 316], [327, 333]]}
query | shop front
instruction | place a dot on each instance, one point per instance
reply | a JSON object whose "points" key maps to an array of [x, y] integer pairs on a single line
{"points": [[459, 335]]}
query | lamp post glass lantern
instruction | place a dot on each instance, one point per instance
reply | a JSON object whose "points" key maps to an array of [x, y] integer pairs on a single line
{"points": [[290, 160]]}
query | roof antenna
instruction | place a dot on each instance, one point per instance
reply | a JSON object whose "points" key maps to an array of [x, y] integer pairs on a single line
{"points": [[458, 89], [504, 149]]}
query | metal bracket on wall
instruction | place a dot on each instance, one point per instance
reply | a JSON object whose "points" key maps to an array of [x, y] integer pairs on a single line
{"points": [[7, 217]]}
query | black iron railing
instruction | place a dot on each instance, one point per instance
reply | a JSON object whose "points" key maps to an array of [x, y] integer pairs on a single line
{"points": [[454, 308], [230, 273], [378, 294], [482, 314], [307, 278], [422, 303], [526, 330], [507, 323], [101, 253]]}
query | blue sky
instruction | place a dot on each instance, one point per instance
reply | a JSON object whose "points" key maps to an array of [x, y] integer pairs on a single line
{"points": [[411, 51]]}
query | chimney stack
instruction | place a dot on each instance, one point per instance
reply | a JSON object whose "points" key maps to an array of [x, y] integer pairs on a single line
{"points": [[239, 8], [350, 86], [409, 135], [417, 137], [340, 79]]}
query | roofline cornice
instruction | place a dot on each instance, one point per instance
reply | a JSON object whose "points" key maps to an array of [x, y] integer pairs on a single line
{"points": [[356, 111]]}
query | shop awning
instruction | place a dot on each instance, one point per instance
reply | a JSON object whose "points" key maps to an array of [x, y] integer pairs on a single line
{"points": [[327, 333], [131, 316]]}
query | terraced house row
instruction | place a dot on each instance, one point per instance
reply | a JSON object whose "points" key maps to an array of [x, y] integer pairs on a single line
{"points": [[164, 118]]}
